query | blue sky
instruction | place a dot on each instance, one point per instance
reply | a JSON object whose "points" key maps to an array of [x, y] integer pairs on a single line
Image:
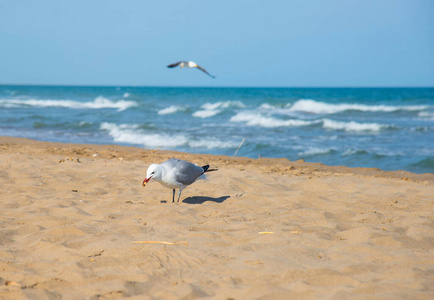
{"points": [[244, 43]]}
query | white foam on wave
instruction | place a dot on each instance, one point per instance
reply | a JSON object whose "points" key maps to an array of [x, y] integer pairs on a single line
{"points": [[206, 113], [212, 109], [223, 105], [266, 106], [171, 109], [98, 103], [315, 151], [211, 144], [132, 134], [257, 119], [352, 126], [352, 151], [285, 110], [315, 107], [426, 115]]}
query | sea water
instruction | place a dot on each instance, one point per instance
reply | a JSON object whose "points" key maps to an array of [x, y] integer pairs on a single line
{"points": [[386, 128]]}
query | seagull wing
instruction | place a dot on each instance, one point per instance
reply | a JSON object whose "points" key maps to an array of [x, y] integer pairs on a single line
{"points": [[203, 70], [174, 65], [186, 173]]}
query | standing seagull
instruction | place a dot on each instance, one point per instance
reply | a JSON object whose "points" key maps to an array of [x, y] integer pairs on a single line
{"points": [[189, 64], [175, 174]]}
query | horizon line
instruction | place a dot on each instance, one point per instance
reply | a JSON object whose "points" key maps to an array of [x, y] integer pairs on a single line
{"points": [[198, 86]]}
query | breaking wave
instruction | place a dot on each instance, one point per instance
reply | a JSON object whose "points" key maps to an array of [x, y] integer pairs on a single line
{"points": [[171, 109], [353, 126], [212, 109], [316, 107], [257, 119], [312, 151], [132, 134], [426, 115], [98, 103]]}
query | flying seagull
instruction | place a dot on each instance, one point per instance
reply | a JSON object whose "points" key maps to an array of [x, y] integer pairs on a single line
{"points": [[175, 174], [189, 64]]}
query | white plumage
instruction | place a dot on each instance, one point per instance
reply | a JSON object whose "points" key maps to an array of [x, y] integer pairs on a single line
{"points": [[175, 174]]}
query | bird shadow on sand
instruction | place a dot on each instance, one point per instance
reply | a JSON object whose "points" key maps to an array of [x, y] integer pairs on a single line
{"points": [[201, 200]]}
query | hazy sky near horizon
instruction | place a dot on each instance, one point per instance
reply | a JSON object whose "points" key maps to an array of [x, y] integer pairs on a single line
{"points": [[284, 43]]}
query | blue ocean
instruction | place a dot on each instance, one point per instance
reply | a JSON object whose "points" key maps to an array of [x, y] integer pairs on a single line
{"points": [[386, 128]]}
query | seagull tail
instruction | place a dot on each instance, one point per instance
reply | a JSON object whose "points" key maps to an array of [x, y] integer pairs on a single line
{"points": [[207, 169]]}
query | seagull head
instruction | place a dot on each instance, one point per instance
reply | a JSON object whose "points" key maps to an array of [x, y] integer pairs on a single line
{"points": [[153, 172]]}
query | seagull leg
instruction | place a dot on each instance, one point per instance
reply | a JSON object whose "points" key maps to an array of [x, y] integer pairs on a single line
{"points": [[179, 194], [173, 196]]}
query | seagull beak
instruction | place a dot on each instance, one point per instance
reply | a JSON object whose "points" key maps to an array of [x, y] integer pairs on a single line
{"points": [[146, 181]]}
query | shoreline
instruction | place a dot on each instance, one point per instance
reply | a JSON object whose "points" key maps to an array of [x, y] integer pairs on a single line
{"points": [[137, 153], [76, 223]]}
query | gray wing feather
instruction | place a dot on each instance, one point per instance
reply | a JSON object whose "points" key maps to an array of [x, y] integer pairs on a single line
{"points": [[184, 171], [174, 65], [171, 163], [205, 71]]}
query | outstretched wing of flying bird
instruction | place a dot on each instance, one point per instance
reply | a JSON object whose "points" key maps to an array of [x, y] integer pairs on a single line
{"points": [[174, 65], [203, 70]]}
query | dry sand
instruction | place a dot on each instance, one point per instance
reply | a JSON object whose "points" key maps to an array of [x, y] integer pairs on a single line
{"points": [[256, 229]]}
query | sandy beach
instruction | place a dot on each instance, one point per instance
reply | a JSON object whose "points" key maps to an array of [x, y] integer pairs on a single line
{"points": [[75, 223]]}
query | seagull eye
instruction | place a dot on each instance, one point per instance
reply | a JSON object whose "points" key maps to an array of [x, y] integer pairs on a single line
{"points": [[152, 173]]}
